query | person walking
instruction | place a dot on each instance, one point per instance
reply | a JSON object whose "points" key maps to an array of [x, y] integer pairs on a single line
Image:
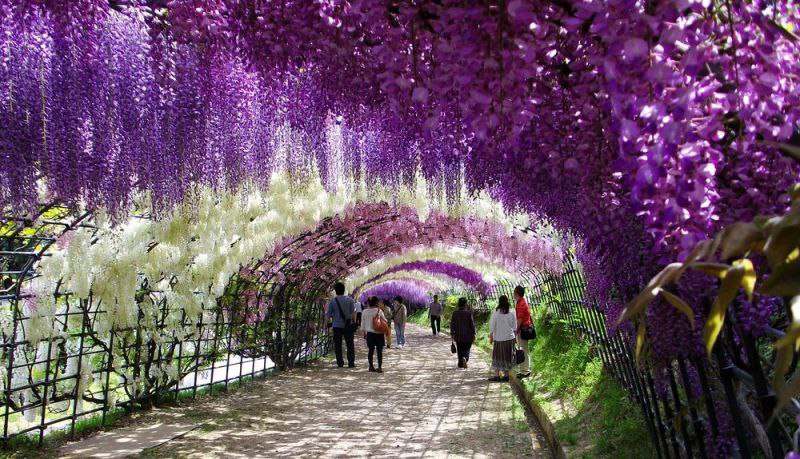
{"points": [[400, 315], [387, 314], [462, 331], [359, 309], [524, 329], [501, 335], [375, 339], [342, 315], [435, 314]]}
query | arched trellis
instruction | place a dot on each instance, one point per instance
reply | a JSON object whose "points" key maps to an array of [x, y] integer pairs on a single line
{"points": [[78, 370], [454, 271], [294, 280], [81, 369]]}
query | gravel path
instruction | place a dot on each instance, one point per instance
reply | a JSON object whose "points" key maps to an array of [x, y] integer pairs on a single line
{"points": [[422, 406]]}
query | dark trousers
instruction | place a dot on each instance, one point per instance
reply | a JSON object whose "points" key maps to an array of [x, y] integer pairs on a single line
{"points": [[358, 319], [338, 333], [375, 341], [436, 324], [463, 351]]}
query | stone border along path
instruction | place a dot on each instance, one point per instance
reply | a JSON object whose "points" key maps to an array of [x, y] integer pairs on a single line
{"points": [[422, 406]]}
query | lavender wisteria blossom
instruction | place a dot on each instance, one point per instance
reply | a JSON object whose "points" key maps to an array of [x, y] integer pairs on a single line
{"points": [[412, 292], [468, 276], [641, 128]]}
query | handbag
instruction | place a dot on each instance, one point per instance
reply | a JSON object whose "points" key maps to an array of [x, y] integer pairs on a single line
{"points": [[527, 333], [519, 356], [453, 347], [349, 326], [380, 325]]}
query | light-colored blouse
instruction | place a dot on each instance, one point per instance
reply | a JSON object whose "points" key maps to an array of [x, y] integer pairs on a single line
{"points": [[502, 326], [366, 319]]}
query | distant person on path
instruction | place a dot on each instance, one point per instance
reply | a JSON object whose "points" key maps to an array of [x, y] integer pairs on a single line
{"points": [[435, 314], [523, 321], [342, 314], [399, 317], [501, 335], [359, 310], [462, 330], [375, 340], [387, 314]]}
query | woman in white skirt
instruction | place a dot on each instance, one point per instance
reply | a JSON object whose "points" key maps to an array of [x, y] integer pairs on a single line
{"points": [[501, 335]]}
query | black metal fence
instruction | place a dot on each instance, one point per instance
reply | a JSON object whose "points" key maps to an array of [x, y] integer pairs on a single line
{"points": [[82, 372], [693, 407]]}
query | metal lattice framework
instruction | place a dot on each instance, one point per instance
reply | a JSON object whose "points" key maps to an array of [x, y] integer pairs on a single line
{"points": [[270, 317], [81, 372], [690, 405]]}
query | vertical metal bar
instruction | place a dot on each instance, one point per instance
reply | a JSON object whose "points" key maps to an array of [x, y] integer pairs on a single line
{"points": [[662, 431], [696, 421], [78, 374], [109, 369], [197, 353], [44, 390], [679, 413], [726, 377]]}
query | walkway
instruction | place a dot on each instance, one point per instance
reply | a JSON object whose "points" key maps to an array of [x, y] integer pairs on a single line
{"points": [[421, 407]]}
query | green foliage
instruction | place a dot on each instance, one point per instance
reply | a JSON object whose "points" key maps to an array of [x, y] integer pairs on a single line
{"points": [[601, 420]]}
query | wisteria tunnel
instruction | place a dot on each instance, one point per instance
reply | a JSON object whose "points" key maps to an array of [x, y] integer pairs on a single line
{"points": [[182, 182]]}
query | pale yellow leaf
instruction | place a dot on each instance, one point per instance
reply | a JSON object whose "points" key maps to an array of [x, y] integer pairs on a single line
{"points": [[680, 305], [716, 318], [641, 334], [713, 269], [748, 278]]}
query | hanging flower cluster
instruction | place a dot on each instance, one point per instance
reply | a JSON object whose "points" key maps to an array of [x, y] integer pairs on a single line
{"points": [[641, 128], [188, 256], [412, 292], [465, 275]]}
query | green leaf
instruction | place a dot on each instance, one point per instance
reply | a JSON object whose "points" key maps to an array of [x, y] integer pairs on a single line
{"points": [[749, 277], [783, 359], [789, 150], [790, 338], [641, 334], [680, 305], [669, 274], [712, 269], [785, 395], [784, 239], [716, 318], [784, 280], [738, 239]]}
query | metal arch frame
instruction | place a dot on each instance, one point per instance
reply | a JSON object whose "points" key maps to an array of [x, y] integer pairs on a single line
{"points": [[123, 356]]}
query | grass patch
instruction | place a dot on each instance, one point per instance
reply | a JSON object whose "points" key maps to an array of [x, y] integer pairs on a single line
{"points": [[592, 414]]}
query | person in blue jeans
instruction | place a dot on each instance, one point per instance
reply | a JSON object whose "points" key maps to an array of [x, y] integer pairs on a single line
{"points": [[342, 313], [400, 314]]}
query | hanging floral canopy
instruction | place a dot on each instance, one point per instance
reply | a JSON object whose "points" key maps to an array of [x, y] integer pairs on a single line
{"points": [[205, 149]]}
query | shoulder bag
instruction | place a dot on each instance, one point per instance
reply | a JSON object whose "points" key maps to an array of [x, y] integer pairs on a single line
{"points": [[379, 324], [527, 333], [349, 326]]}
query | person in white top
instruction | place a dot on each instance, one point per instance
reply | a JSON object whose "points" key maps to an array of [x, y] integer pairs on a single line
{"points": [[375, 340], [502, 328], [359, 309]]}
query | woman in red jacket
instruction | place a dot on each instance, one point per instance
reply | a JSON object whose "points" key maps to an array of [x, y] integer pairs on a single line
{"points": [[523, 321]]}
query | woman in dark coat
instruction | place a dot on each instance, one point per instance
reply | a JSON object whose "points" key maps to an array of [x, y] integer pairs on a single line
{"points": [[462, 330]]}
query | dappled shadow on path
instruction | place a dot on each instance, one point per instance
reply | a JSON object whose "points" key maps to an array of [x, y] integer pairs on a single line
{"points": [[421, 407]]}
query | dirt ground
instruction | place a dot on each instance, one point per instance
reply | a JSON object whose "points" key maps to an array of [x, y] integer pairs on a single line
{"points": [[422, 406]]}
